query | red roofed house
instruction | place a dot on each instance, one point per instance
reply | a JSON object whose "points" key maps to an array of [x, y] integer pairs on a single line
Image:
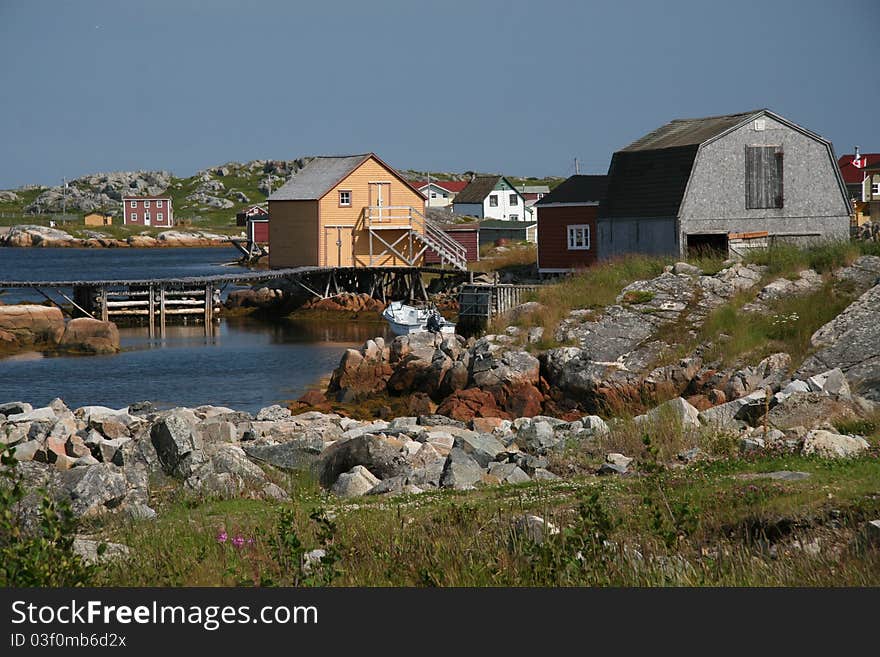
{"points": [[147, 211], [255, 211], [440, 192], [862, 186]]}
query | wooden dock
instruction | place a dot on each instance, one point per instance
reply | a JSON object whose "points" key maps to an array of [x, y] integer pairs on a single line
{"points": [[478, 304], [158, 301]]}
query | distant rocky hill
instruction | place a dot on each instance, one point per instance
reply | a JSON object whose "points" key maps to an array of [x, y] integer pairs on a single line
{"points": [[222, 187], [227, 187]]}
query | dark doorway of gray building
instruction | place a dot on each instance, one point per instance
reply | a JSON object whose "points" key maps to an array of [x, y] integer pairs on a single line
{"points": [[707, 245]]}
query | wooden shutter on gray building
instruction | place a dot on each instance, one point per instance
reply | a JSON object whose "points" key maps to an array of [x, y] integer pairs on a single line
{"points": [[764, 177]]}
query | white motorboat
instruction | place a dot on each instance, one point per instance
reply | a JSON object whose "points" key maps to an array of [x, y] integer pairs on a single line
{"points": [[404, 319]]}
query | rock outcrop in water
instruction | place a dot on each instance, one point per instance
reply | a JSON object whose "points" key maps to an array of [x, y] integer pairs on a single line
{"points": [[34, 327], [25, 236]]}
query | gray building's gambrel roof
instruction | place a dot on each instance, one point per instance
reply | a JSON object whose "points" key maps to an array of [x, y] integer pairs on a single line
{"points": [[650, 176], [318, 177]]}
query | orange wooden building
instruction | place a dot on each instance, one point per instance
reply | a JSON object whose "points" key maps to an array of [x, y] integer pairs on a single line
{"points": [[353, 210]]}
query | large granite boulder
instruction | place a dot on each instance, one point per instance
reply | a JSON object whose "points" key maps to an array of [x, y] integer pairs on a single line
{"points": [[851, 341], [380, 455], [36, 236], [30, 324], [90, 336]]}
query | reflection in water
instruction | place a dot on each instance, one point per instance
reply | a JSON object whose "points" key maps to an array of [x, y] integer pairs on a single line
{"points": [[246, 365]]}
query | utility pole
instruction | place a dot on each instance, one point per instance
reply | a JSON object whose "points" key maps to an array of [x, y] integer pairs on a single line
{"points": [[64, 196], [577, 169]]}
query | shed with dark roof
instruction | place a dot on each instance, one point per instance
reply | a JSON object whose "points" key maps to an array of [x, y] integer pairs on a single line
{"points": [[567, 224], [691, 182]]}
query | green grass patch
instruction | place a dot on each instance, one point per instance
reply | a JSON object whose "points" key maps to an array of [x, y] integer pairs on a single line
{"points": [[789, 260], [703, 526], [592, 289], [787, 326]]}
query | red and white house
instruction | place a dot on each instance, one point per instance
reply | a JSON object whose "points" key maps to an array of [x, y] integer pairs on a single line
{"points": [[147, 211], [440, 193]]}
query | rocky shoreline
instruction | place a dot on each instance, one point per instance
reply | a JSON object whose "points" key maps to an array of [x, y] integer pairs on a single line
{"points": [[610, 361], [486, 411], [106, 461], [29, 236]]}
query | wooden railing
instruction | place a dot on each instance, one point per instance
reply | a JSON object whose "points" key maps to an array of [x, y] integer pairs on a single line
{"points": [[389, 216], [488, 301]]}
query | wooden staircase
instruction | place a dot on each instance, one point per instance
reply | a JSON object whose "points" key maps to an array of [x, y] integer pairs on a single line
{"points": [[422, 230]]}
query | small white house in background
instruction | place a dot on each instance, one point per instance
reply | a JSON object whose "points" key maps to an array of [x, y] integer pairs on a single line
{"points": [[440, 193], [492, 197]]}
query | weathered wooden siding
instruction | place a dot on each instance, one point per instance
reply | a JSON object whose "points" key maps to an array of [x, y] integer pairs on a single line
{"points": [[293, 234], [649, 236], [553, 223], [258, 230], [469, 239], [813, 203]]}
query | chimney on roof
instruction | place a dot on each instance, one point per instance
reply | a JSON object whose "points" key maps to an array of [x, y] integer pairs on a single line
{"points": [[856, 156]]}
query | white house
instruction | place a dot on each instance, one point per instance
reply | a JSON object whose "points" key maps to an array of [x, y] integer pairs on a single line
{"points": [[440, 193], [492, 197]]}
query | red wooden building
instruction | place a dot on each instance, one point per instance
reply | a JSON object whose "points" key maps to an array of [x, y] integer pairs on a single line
{"points": [[255, 211], [468, 235], [567, 225], [147, 211], [258, 229]]}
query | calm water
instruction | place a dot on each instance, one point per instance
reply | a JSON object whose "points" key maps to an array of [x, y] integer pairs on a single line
{"points": [[246, 365]]}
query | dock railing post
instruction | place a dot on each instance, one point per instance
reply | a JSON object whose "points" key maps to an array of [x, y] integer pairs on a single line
{"points": [[209, 311], [162, 311], [152, 322], [104, 309]]}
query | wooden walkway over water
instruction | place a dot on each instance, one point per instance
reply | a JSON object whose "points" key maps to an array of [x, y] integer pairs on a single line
{"points": [[198, 298]]}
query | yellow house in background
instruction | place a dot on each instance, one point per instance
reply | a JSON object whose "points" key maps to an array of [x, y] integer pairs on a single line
{"points": [[353, 211], [98, 219]]}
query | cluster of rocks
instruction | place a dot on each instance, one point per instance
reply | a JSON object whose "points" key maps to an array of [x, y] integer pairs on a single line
{"points": [[851, 340], [614, 352], [35, 327], [200, 197], [415, 454], [793, 415], [28, 236], [346, 302], [114, 460], [107, 460], [475, 378]]}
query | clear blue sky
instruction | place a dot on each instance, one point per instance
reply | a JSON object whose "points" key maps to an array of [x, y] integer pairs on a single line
{"points": [[513, 87]]}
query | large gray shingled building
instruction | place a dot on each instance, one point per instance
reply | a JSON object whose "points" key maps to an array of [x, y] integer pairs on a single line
{"points": [[698, 183]]}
